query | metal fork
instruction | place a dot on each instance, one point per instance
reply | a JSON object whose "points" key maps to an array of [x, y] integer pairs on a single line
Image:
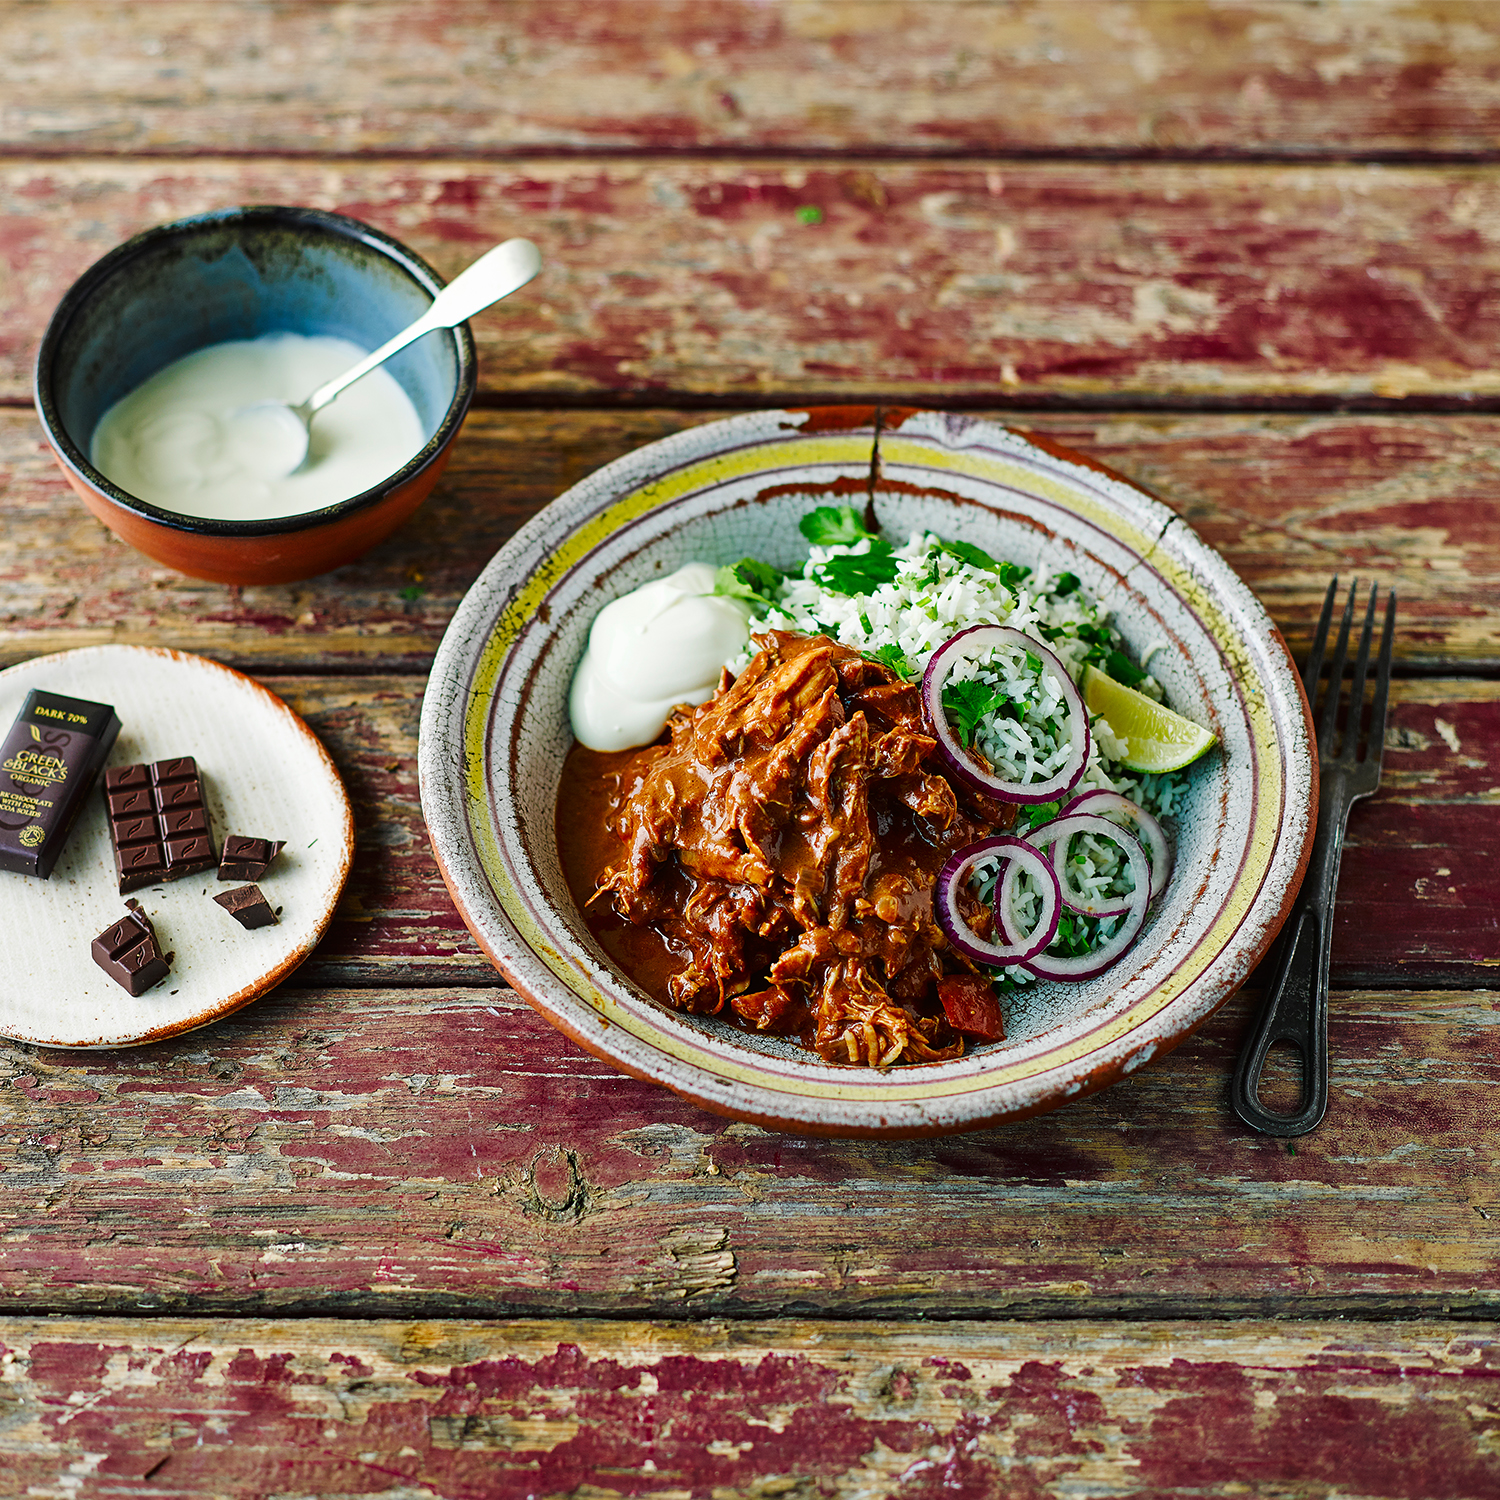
{"points": [[1296, 1008]]}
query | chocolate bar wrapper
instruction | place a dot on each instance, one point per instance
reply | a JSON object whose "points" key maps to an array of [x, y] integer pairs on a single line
{"points": [[50, 759]]}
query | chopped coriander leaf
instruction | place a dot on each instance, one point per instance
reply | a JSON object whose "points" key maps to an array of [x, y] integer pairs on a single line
{"points": [[1013, 575], [750, 580], [761, 576], [859, 572], [968, 704], [1075, 935], [1122, 669], [833, 526], [892, 656], [1065, 584], [1038, 813], [967, 552]]}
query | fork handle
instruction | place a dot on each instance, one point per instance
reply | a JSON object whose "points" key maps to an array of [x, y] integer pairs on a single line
{"points": [[1296, 1006]]}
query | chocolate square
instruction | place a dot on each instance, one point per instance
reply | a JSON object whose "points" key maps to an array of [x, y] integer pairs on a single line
{"points": [[130, 954], [141, 830], [246, 858], [247, 906], [178, 822]]}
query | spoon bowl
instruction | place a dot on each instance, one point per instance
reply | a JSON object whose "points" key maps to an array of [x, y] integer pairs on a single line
{"points": [[279, 433]]}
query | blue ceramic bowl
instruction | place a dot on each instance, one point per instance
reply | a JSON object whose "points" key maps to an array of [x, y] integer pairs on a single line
{"points": [[237, 274]]}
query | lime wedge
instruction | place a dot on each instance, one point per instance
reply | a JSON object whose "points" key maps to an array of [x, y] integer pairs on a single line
{"points": [[1158, 739]]}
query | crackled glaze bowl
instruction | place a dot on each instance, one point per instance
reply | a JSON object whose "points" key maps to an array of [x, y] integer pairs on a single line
{"points": [[495, 732]]}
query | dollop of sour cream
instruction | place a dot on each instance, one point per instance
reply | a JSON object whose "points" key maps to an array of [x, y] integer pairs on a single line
{"points": [[190, 440], [659, 645]]}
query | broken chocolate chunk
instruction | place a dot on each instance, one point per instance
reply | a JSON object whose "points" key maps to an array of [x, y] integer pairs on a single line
{"points": [[158, 824], [247, 858], [130, 954], [247, 906]]}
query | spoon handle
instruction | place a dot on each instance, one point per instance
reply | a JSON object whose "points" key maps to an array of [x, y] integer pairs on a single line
{"points": [[496, 274]]}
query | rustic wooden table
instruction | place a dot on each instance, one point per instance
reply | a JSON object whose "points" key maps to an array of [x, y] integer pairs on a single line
{"points": [[386, 1232]]}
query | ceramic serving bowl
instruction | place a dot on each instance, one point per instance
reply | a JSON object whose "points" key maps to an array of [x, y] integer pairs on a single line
{"points": [[495, 732], [237, 274]]}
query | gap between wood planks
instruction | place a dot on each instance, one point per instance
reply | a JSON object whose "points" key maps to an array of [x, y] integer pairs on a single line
{"points": [[1138, 403], [777, 155]]}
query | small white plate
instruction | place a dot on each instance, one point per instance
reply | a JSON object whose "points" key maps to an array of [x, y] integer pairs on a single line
{"points": [[264, 775]]}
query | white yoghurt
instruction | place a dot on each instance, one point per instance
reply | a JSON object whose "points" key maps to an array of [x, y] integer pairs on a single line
{"points": [[184, 441], [663, 644]]}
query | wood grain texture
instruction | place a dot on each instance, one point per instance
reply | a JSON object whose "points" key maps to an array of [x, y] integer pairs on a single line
{"points": [[1412, 500], [1119, 283], [1091, 1410], [838, 75], [445, 1152]]}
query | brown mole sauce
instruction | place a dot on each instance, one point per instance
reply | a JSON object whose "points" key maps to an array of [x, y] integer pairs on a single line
{"points": [[587, 849]]}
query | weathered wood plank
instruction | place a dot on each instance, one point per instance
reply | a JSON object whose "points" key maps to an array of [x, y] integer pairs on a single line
{"points": [[1412, 500], [1094, 1410], [464, 75], [1119, 283], [441, 1152]]}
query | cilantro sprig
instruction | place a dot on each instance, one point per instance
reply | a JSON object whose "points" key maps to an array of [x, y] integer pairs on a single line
{"points": [[892, 656], [968, 704], [752, 581], [833, 526]]}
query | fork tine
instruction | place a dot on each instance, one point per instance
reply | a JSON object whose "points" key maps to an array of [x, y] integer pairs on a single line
{"points": [[1336, 676], [1314, 667], [1357, 689], [1382, 684]]}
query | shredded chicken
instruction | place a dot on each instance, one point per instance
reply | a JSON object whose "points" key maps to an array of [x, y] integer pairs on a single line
{"points": [[806, 810]]}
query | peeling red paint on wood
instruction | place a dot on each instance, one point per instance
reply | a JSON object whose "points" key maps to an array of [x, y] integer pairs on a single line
{"points": [[433, 1151], [929, 75], [1413, 501], [1127, 282], [463, 1409]]}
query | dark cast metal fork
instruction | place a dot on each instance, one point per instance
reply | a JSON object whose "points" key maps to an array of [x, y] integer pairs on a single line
{"points": [[1296, 1006]]}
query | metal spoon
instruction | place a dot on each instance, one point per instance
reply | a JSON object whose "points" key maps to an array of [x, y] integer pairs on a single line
{"points": [[282, 431]]}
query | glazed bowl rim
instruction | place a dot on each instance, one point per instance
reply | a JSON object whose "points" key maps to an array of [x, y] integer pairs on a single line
{"points": [[77, 462]]}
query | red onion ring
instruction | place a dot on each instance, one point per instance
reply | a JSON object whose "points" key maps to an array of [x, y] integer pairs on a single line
{"points": [[1090, 965], [1104, 802], [962, 936], [940, 664]]}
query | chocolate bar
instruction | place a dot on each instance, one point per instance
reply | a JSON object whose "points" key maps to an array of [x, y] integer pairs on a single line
{"points": [[48, 763], [247, 906], [246, 858], [130, 954], [157, 822]]}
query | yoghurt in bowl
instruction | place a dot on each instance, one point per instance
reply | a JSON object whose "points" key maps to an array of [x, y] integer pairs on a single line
{"points": [[244, 276]]}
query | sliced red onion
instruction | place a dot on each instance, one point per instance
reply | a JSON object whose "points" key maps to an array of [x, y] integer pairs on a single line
{"points": [[963, 937], [986, 637], [1091, 965], [1111, 805]]}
